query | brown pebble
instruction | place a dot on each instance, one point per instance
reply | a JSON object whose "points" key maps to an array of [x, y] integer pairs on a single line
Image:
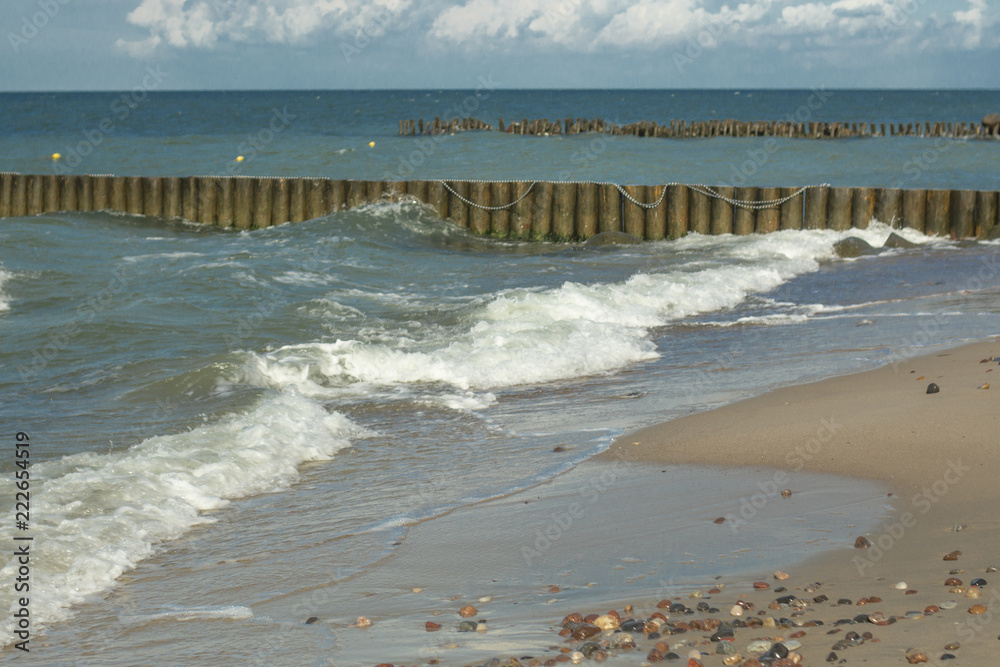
{"points": [[553, 589], [874, 599], [714, 591], [654, 656], [721, 520], [558, 448], [952, 581], [431, 626], [862, 602], [952, 556], [952, 646], [663, 604], [468, 611], [984, 386], [311, 620], [787, 493], [932, 609], [862, 542], [780, 576], [796, 635], [910, 591], [662, 647], [977, 609], [761, 585], [913, 656], [572, 618]]}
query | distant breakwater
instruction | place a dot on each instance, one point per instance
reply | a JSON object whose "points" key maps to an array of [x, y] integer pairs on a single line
{"points": [[539, 210], [683, 129]]}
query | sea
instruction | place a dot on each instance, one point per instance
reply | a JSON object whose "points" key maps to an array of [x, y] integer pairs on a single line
{"points": [[214, 421]]}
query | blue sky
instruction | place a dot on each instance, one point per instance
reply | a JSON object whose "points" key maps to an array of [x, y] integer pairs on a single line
{"points": [[338, 44]]}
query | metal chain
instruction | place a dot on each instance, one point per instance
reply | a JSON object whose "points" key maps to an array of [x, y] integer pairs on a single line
{"points": [[489, 208], [753, 206]]}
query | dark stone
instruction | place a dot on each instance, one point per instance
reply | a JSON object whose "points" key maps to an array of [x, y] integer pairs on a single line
{"points": [[786, 599], [671, 656], [978, 582], [947, 656], [588, 648], [933, 388], [677, 608], [633, 625], [778, 651], [612, 238], [897, 241], [852, 246], [470, 626], [703, 606], [820, 599], [832, 657], [845, 601], [991, 122], [311, 620]]}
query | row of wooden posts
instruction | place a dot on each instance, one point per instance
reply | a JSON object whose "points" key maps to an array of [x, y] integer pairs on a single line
{"points": [[710, 128], [524, 209]]}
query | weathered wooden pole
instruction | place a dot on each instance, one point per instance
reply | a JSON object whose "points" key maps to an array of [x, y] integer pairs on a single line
{"points": [[152, 196], [656, 217], [355, 194], [118, 187], [242, 202], [189, 198], [297, 200], [279, 208], [6, 194], [541, 215], [500, 218], [915, 209], [373, 191], [50, 187], [134, 195], [889, 206], [458, 210], [479, 219], [223, 189], [635, 216], [336, 195], [610, 207], [437, 197], [768, 219], [839, 212], [172, 203], [69, 191], [417, 190], [816, 207], [19, 196], [938, 212], [700, 214], [862, 207], [521, 214], [564, 211], [677, 211], [263, 199], [316, 206], [986, 212], [745, 219], [792, 210], [586, 210], [963, 214], [207, 201]]}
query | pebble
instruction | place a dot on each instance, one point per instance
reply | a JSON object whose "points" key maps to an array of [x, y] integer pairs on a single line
{"points": [[902, 586], [913, 656], [780, 576], [431, 626], [977, 582], [931, 609], [576, 657], [761, 585], [311, 620], [486, 598], [833, 657], [953, 646], [482, 628], [736, 610], [931, 389], [787, 493], [467, 626], [952, 581], [606, 622], [950, 604], [947, 656], [734, 659], [758, 646], [973, 594], [952, 556], [990, 569], [977, 609], [862, 542], [468, 611], [363, 622]]}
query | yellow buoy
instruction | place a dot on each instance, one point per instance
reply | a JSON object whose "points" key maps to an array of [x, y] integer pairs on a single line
{"points": [[56, 156], [239, 158], [371, 144]]}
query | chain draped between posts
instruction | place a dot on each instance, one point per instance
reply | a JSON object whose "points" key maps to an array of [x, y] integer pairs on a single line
{"points": [[702, 189]]}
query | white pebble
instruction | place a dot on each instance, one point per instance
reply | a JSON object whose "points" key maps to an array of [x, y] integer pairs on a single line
{"points": [[486, 598], [481, 628], [736, 610], [901, 586], [694, 654], [418, 590], [576, 657]]}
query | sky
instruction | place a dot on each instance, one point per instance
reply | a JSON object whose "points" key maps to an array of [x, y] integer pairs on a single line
{"points": [[57, 45]]}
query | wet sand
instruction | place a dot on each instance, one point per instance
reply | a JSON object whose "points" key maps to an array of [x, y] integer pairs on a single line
{"points": [[940, 455], [678, 509]]}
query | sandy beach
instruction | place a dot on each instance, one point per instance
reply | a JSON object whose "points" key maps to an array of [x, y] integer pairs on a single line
{"points": [[938, 453], [868, 455]]}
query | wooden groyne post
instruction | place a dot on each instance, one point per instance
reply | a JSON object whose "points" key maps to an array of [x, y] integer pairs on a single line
{"points": [[512, 209]]}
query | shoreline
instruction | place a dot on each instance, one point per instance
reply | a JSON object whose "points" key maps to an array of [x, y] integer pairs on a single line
{"points": [[938, 454]]}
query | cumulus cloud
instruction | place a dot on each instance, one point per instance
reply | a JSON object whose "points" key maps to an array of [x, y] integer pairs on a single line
{"points": [[570, 25], [204, 23]]}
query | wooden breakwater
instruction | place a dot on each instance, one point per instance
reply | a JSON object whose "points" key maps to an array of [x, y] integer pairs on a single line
{"points": [[515, 209], [683, 129]]}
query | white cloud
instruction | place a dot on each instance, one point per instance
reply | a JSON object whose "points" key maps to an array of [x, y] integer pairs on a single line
{"points": [[203, 23]]}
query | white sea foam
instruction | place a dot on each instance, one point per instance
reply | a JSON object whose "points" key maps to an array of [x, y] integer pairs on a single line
{"points": [[94, 516], [4, 277], [525, 336]]}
